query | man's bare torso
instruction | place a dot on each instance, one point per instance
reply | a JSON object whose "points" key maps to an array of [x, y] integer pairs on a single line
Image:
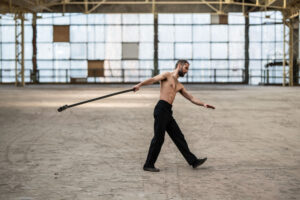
{"points": [[169, 87]]}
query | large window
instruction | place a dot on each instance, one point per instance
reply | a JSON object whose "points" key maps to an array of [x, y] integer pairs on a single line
{"points": [[92, 37], [123, 43], [216, 52], [266, 46]]}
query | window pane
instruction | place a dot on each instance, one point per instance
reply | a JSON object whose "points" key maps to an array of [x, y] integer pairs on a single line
{"points": [[95, 33], [59, 19], [183, 33], [146, 65], [96, 18], [183, 18], [236, 51], [146, 33], [254, 50], [113, 34], [201, 50], [166, 33], [61, 50], [279, 32], [9, 35], [183, 51], [255, 33], [279, 50], [9, 19], [113, 18], [201, 33], [278, 16], [236, 18], [96, 51], [268, 32], [78, 69], [130, 34], [130, 18], [219, 64], [146, 51], [130, 64], [78, 51], [130, 50], [239, 64], [268, 50], [61, 64], [78, 18], [165, 50], [201, 18], [44, 64], [78, 33], [9, 65], [44, 34], [219, 50], [237, 33], [28, 33], [219, 33], [8, 51], [113, 51], [268, 17], [253, 64], [165, 18], [199, 71], [255, 18], [146, 18], [45, 51], [166, 65], [28, 51], [46, 19]]}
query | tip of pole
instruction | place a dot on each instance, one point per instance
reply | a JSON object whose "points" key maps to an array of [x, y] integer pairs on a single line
{"points": [[60, 109]]}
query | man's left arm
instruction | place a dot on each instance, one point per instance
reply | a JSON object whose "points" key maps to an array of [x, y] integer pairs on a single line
{"points": [[194, 100]]}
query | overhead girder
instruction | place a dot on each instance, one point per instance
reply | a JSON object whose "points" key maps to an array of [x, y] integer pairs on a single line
{"points": [[146, 6]]}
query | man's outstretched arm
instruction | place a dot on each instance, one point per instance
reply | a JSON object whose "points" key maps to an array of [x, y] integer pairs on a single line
{"points": [[194, 100], [151, 80]]}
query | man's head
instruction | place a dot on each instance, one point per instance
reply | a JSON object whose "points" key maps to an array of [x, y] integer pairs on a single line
{"points": [[183, 66]]}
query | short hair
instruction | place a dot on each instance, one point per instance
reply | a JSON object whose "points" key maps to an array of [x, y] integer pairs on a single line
{"points": [[181, 62]]}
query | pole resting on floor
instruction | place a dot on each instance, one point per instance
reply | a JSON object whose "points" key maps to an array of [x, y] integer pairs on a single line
{"points": [[62, 108]]}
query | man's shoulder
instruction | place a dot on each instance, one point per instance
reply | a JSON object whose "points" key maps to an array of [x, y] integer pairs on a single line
{"points": [[166, 74]]}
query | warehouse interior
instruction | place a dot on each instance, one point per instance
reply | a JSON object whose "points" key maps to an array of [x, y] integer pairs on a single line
{"points": [[244, 59]]}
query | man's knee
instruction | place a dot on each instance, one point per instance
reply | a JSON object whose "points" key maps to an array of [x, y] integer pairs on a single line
{"points": [[158, 140]]}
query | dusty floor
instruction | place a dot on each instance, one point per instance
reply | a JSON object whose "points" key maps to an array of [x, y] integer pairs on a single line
{"points": [[96, 151]]}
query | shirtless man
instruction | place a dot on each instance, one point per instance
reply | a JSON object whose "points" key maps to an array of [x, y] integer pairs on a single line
{"points": [[164, 121]]}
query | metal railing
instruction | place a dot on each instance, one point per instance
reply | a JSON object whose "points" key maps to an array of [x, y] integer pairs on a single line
{"points": [[122, 75], [203, 75]]}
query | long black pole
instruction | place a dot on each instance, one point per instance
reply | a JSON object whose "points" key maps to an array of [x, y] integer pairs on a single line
{"points": [[90, 100]]}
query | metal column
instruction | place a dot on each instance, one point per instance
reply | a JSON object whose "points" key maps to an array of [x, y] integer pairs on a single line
{"points": [[284, 51], [155, 15], [19, 49]]}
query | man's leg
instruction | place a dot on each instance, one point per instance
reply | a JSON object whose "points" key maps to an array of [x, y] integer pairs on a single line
{"points": [[179, 140], [160, 124]]}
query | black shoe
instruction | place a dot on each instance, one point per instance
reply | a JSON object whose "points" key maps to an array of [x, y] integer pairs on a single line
{"points": [[151, 169], [199, 162]]}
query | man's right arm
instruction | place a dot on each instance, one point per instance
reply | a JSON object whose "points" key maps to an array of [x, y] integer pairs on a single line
{"points": [[151, 80]]}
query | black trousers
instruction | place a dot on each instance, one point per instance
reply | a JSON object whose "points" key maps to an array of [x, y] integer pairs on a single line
{"points": [[164, 121]]}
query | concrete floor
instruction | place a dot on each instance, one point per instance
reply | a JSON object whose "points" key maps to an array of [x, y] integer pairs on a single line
{"points": [[96, 151]]}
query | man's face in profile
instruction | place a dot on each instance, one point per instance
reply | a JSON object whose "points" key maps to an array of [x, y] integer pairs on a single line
{"points": [[183, 69]]}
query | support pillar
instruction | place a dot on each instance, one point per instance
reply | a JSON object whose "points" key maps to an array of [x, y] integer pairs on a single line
{"points": [[19, 49], [34, 75], [246, 81]]}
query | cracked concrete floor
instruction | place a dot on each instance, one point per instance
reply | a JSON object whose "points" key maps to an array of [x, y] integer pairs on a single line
{"points": [[96, 151]]}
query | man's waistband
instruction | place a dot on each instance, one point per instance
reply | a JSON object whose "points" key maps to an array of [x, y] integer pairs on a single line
{"points": [[164, 104]]}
